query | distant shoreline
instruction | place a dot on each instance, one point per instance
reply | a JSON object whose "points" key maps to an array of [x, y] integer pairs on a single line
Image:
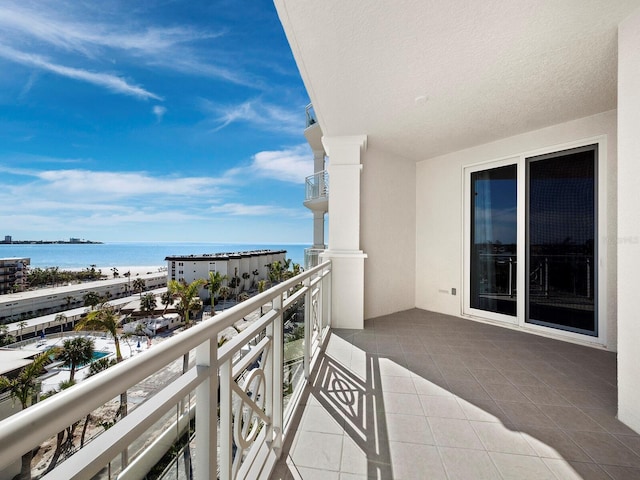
{"points": [[50, 242]]}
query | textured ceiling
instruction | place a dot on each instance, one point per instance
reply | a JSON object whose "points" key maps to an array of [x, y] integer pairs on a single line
{"points": [[489, 69]]}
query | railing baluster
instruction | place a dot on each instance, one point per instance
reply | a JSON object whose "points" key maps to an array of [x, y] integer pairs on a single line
{"points": [[308, 327], [206, 411], [226, 421], [278, 350]]}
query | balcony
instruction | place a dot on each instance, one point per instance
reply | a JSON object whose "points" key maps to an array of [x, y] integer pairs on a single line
{"points": [[253, 380], [420, 395], [415, 394], [310, 116], [317, 191]]}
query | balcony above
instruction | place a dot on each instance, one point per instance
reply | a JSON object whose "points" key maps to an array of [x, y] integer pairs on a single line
{"points": [[312, 131], [317, 192], [312, 257]]}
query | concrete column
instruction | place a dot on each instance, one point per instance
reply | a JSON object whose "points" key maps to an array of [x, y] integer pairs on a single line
{"points": [[347, 283], [628, 220], [318, 230], [318, 161]]}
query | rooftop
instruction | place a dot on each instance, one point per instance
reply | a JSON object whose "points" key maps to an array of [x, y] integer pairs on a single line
{"points": [[224, 256]]}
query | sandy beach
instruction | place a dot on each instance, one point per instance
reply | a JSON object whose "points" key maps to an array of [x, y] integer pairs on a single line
{"points": [[135, 270]]}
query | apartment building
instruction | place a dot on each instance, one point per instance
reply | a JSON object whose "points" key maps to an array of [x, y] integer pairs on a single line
{"points": [[13, 274]]}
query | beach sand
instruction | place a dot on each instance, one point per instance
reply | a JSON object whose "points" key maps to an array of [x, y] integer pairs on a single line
{"points": [[135, 270]]}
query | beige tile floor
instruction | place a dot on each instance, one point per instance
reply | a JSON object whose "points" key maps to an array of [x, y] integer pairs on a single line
{"points": [[419, 395]]}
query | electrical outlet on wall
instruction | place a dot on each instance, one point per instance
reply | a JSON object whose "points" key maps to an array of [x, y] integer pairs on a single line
{"points": [[453, 291]]}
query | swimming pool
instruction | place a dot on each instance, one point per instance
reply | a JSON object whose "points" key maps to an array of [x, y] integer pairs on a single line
{"points": [[97, 355]]}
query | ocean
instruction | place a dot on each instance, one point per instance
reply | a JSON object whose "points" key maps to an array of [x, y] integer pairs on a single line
{"points": [[74, 256]]}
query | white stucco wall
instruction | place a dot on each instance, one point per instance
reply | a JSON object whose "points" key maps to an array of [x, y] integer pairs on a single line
{"points": [[439, 211], [387, 232], [629, 221]]}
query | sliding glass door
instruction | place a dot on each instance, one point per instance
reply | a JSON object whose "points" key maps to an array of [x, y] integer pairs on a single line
{"points": [[561, 240], [532, 241], [493, 240]]}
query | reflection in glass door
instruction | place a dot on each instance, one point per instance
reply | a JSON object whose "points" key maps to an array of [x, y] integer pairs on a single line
{"points": [[493, 263], [561, 247]]}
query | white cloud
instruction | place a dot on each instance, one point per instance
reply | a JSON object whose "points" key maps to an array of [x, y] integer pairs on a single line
{"points": [[110, 82], [258, 113], [290, 165], [87, 184], [161, 46], [159, 112], [50, 26], [241, 209]]}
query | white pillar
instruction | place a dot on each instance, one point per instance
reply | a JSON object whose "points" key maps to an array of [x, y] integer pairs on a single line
{"points": [[318, 161], [347, 282], [628, 220], [318, 229], [318, 216]]}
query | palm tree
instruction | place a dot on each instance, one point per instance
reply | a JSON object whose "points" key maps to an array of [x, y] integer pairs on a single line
{"points": [[186, 294], [139, 285], [261, 287], [91, 299], [23, 388], [61, 318], [245, 277], [105, 318], [68, 300], [5, 338], [21, 326], [75, 352], [225, 292], [255, 273], [148, 303], [95, 367], [115, 272], [214, 284], [128, 285], [167, 299]]}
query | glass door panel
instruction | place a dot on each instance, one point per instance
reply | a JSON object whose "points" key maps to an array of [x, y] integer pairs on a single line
{"points": [[493, 240], [561, 246]]}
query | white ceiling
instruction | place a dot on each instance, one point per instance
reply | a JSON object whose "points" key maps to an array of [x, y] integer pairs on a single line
{"points": [[489, 68]]}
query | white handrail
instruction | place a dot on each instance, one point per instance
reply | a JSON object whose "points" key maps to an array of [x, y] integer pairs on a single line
{"points": [[29, 428]]}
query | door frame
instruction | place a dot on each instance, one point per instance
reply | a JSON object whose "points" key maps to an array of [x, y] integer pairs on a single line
{"points": [[601, 262]]}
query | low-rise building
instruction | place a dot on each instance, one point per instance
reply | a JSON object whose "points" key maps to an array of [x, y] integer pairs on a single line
{"points": [[19, 306], [13, 274], [193, 267]]}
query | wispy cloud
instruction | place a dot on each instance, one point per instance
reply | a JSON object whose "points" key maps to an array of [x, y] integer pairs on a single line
{"points": [[241, 209], [28, 86], [167, 47], [110, 82], [258, 113], [159, 112], [77, 183], [64, 30]]}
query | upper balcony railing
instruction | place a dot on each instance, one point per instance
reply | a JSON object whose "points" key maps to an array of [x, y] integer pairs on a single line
{"points": [[317, 186], [239, 392], [311, 115], [312, 257]]}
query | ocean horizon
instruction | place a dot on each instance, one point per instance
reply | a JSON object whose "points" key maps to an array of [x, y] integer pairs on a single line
{"points": [[142, 254]]}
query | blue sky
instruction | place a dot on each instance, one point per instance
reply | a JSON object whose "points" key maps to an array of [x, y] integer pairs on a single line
{"points": [[150, 121]]}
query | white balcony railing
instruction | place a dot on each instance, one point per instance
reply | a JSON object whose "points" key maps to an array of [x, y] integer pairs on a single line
{"points": [[317, 186], [312, 257], [252, 375], [310, 115]]}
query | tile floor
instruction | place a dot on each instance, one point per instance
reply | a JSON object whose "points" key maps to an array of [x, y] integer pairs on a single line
{"points": [[420, 395]]}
